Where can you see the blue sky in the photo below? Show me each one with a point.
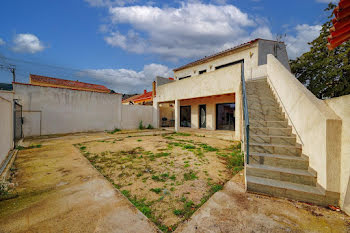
(124, 44)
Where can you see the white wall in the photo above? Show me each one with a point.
(133, 114)
(341, 106)
(223, 81)
(49, 110)
(6, 128)
(316, 125)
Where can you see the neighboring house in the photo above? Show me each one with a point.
(144, 99)
(296, 145)
(130, 100)
(63, 83)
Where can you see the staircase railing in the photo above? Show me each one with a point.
(245, 112)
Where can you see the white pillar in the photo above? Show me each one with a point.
(177, 115)
(155, 113)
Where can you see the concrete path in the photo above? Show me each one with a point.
(59, 191)
(233, 210)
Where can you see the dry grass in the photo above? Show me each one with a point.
(167, 177)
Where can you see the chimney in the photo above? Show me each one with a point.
(144, 91)
(153, 89)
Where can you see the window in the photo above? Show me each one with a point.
(185, 77)
(227, 64)
(202, 71)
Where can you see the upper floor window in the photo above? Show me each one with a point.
(202, 71)
(185, 77)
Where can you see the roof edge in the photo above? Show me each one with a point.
(74, 89)
(205, 59)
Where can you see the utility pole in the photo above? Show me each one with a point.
(13, 71)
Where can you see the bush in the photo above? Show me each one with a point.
(150, 126)
(141, 125)
(114, 131)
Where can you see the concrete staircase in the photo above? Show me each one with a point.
(277, 166)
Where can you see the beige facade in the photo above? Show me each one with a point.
(216, 80)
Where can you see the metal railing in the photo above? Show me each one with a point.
(245, 112)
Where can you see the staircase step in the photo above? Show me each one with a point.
(275, 160)
(271, 131)
(289, 190)
(270, 111)
(261, 117)
(298, 176)
(253, 97)
(276, 124)
(271, 139)
(275, 149)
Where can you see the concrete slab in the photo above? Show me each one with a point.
(59, 191)
(233, 210)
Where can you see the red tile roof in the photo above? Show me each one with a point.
(202, 60)
(340, 32)
(144, 97)
(68, 83)
(132, 98)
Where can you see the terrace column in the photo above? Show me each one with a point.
(155, 113)
(177, 115)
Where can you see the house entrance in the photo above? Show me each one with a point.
(202, 116)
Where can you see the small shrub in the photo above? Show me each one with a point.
(156, 190)
(173, 177)
(178, 212)
(139, 140)
(215, 188)
(28, 147)
(162, 154)
(150, 126)
(186, 165)
(141, 125)
(190, 176)
(126, 193)
(207, 148)
(188, 146)
(82, 148)
(156, 178)
(114, 131)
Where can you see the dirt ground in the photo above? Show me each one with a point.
(60, 191)
(166, 176)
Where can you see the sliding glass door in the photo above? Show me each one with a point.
(225, 116)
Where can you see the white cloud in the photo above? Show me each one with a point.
(27, 43)
(192, 30)
(129, 81)
(2, 42)
(298, 44)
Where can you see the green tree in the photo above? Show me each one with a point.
(325, 73)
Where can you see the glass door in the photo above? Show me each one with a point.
(185, 116)
(225, 116)
(202, 116)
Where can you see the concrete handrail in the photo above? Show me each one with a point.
(317, 125)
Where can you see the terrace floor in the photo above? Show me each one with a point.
(60, 191)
